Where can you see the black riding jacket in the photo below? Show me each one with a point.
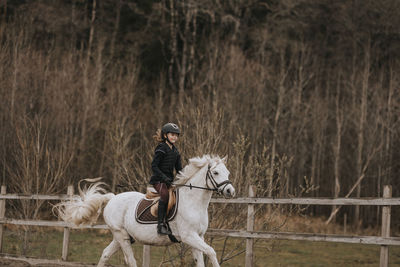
(164, 162)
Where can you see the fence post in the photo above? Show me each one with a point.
(2, 213)
(384, 259)
(146, 256)
(70, 192)
(250, 228)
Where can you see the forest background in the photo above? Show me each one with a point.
(303, 96)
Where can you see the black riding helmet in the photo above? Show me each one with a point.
(170, 128)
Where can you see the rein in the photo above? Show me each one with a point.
(197, 187)
(210, 177)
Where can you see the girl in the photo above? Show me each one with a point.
(166, 159)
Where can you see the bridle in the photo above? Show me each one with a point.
(216, 187)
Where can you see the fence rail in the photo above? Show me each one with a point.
(312, 201)
(250, 200)
(34, 197)
(384, 241)
(370, 240)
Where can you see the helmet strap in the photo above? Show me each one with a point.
(167, 139)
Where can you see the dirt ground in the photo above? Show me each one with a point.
(36, 263)
(14, 263)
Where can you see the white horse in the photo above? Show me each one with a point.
(195, 183)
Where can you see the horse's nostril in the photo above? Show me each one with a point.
(233, 193)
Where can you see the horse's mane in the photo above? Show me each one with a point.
(195, 164)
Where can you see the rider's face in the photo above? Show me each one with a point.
(172, 137)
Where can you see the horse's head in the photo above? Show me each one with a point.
(217, 175)
(218, 178)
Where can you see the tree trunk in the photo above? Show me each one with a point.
(87, 94)
(115, 30)
(338, 142)
(278, 110)
(173, 44)
(361, 123)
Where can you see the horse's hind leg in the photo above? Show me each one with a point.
(108, 252)
(124, 241)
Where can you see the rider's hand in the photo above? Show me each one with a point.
(168, 182)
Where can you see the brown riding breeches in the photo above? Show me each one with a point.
(162, 189)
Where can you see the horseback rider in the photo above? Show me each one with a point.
(166, 159)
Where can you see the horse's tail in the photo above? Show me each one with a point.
(86, 208)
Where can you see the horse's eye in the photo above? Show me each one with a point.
(215, 173)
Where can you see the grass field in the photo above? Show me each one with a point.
(87, 245)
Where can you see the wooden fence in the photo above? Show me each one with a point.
(384, 240)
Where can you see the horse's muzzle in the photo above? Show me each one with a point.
(229, 191)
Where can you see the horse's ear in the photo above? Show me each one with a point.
(225, 159)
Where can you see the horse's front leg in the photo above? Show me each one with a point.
(198, 257)
(199, 247)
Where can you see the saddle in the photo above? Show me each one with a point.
(146, 210)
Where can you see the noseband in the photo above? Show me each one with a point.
(216, 187)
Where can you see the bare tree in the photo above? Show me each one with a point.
(362, 121)
(337, 145)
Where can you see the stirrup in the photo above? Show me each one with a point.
(162, 229)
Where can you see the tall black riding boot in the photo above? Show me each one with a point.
(162, 228)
